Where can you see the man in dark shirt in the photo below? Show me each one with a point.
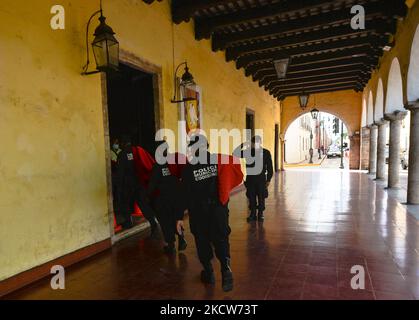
(259, 172)
(166, 200)
(129, 189)
(207, 216)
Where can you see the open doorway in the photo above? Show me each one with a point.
(131, 113)
(131, 106)
(250, 124)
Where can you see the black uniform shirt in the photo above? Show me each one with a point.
(126, 176)
(200, 184)
(254, 157)
(162, 180)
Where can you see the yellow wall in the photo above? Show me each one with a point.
(53, 193)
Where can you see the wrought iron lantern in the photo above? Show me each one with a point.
(105, 47)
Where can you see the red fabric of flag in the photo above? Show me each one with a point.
(230, 175)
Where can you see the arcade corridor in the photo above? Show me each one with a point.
(318, 225)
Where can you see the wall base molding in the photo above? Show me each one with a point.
(37, 273)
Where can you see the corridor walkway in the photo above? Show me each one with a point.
(318, 225)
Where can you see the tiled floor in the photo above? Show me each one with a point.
(318, 225)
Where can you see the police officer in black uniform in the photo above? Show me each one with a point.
(207, 216)
(166, 203)
(129, 189)
(259, 172)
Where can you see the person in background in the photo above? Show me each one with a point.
(258, 177)
(128, 187)
(208, 217)
(115, 150)
(168, 210)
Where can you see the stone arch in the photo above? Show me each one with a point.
(394, 98)
(413, 71)
(370, 109)
(287, 125)
(379, 102)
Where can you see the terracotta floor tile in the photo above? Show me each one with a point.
(319, 224)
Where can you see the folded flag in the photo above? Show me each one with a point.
(144, 163)
(230, 175)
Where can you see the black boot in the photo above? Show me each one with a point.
(182, 244)
(261, 217)
(252, 217)
(207, 275)
(154, 234)
(127, 224)
(170, 249)
(227, 276)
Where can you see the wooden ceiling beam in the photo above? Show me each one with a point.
(369, 44)
(204, 27)
(356, 73)
(280, 96)
(314, 86)
(379, 29)
(151, 1)
(184, 10)
(316, 67)
(375, 12)
(268, 82)
(318, 58)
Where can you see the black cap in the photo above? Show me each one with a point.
(125, 138)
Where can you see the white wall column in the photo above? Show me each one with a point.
(381, 149)
(373, 149)
(395, 119)
(413, 179)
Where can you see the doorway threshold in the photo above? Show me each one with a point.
(130, 232)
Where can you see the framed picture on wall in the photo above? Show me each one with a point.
(191, 110)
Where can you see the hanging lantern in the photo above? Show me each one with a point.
(187, 86)
(105, 47)
(315, 114)
(303, 97)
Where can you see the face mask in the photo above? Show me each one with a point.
(257, 145)
(115, 146)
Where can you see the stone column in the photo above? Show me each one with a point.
(381, 149)
(395, 119)
(355, 151)
(413, 179)
(365, 147)
(282, 140)
(373, 149)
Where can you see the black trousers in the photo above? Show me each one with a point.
(126, 199)
(210, 227)
(256, 193)
(166, 214)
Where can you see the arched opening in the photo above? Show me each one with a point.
(413, 72)
(365, 138)
(394, 102)
(364, 113)
(394, 99)
(324, 136)
(370, 109)
(379, 102)
(379, 115)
